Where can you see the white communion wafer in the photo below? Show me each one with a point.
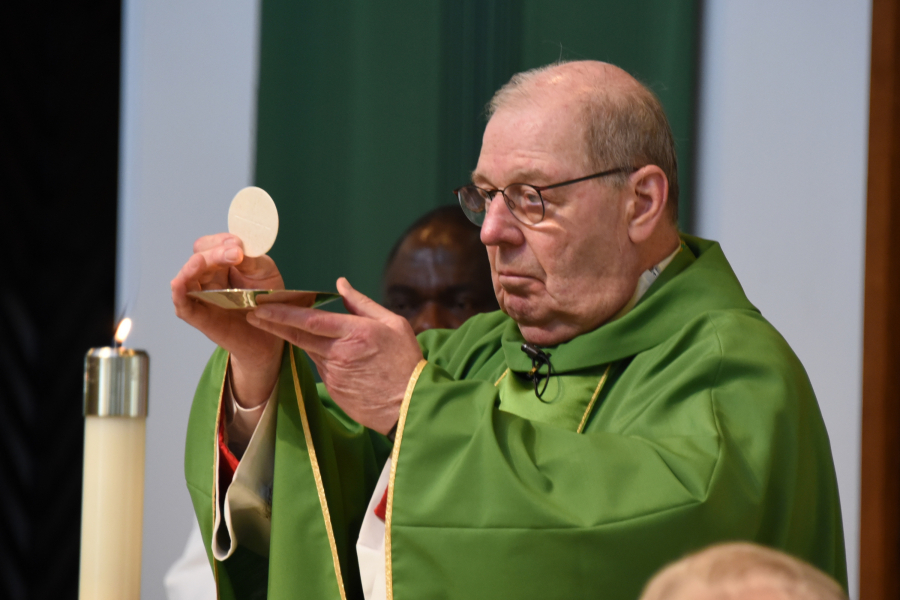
(254, 218)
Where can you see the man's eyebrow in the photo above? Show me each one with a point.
(401, 288)
(460, 288)
(530, 176)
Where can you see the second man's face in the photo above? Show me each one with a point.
(439, 278)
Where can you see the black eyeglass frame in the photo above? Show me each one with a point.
(471, 214)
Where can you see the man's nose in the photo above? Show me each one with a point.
(500, 226)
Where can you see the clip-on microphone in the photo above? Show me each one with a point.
(538, 358)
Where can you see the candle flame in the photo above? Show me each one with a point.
(123, 330)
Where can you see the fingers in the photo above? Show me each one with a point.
(219, 263)
(317, 322)
(322, 323)
(186, 308)
(225, 249)
(259, 267)
(208, 242)
(187, 278)
(179, 292)
(360, 304)
(205, 269)
(289, 327)
(209, 268)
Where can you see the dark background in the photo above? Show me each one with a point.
(59, 130)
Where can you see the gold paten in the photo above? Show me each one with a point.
(236, 299)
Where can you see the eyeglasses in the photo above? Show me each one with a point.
(523, 200)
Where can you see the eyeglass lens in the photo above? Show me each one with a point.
(523, 200)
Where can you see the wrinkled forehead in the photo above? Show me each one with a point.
(530, 139)
(557, 105)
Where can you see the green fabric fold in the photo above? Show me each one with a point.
(349, 458)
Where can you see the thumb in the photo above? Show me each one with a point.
(359, 304)
(255, 267)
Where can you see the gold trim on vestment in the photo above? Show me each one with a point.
(215, 479)
(317, 475)
(590, 405)
(395, 455)
(505, 373)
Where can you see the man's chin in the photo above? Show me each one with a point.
(538, 325)
(518, 307)
(546, 335)
(532, 321)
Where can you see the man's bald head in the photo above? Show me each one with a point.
(624, 123)
(741, 571)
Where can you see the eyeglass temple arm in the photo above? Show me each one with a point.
(586, 177)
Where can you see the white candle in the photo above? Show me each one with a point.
(115, 407)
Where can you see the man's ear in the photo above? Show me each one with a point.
(647, 205)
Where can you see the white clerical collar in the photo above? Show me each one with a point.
(644, 282)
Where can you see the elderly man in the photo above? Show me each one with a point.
(626, 406)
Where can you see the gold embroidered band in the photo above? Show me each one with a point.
(395, 455)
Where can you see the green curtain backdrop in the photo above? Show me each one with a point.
(370, 113)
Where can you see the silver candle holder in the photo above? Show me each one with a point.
(115, 411)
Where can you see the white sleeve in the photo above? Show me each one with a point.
(244, 515)
(191, 578)
(240, 422)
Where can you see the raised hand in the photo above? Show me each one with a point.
(218, 262)
(365, 358)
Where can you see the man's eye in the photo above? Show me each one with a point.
(461, 303)
(531, 197)
(400, 303)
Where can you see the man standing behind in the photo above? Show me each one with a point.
(437, 274)
(627, 405)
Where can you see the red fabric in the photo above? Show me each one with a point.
(381, 510)
(228, 463)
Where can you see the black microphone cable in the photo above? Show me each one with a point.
(539, 358)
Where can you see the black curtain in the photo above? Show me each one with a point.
(59, 130)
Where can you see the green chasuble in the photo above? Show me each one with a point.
(686, 422)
